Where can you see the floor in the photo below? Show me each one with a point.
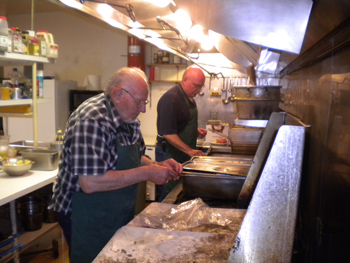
(48, 257)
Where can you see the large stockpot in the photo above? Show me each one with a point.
(256, 102)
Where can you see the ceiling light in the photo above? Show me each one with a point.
(183, 20)
(206, 43)
(105, 10)
(72, 3)
(196, 33)
(160, 3)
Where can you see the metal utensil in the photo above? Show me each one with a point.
(225, 101)
(232, 97)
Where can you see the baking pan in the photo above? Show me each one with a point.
(26, 144)
(215, 177)
(44, 160)
(211, 186)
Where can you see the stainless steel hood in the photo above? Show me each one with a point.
(248, 33)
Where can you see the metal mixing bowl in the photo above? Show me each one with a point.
(16, 167)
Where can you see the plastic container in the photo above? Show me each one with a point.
(27, 36)
(43, 39)
(34, 48)
(52, 51)
(9, 41)
(40, 78)
(16, 40)
(3, 34)
(16, 78)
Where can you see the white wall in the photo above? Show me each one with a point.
(86, 46)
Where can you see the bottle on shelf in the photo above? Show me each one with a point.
(16, 78)
(16, 40)
(165, 58)
(27, 37)
(3, 34)
(40, 78)
(34, 48)
(43, 40)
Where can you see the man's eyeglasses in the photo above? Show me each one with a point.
(197, 86)
(138, 103)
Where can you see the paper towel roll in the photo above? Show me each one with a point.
(92, 82)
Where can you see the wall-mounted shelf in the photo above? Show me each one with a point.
(165, 64)
(168, 67)
(8, 59)
(164, 81)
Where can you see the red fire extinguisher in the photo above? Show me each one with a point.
(136, 53)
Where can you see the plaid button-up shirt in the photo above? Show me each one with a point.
(90, 146)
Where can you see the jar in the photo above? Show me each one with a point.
(155, 58)
(160, 55)
(177, 60)
(3, 34)
(34, 48)
(16, 40)
(43, 39)
(165, 58)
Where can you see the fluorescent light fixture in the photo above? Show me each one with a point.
(159, 3)
(72, 3)
(105, 10)
(196, 33)
(206, 43)
(183, 20)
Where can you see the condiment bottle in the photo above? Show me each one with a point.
(43, 40)
(52, 51)
(3, 34)
(34, 48)
(165, 58)
(16, 40)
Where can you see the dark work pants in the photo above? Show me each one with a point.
(65, 221)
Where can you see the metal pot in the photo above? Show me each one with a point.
(257, 102)
(31, 210)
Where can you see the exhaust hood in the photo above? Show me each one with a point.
(267, 35)
(239, 29)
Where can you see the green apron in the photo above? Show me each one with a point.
(188, 136)
(96, 217)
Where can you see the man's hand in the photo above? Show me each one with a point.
(165, 171)
(202, 133)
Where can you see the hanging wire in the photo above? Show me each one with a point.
(32, 16)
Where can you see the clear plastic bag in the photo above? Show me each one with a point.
(193, 215)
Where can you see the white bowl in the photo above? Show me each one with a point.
(16, 167)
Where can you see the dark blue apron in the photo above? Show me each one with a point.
(96, 217)
(188, 136)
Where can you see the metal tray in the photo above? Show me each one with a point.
(218, 165)
(212, 186)
(232, 160)
(26, 144)
(44, 160)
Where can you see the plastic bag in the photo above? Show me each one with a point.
(193, 215)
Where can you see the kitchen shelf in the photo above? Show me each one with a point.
(164, 81)
(8, 59)
(21, 102)
(166, 64)
(27, 238)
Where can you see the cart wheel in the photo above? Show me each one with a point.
(55, 252)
